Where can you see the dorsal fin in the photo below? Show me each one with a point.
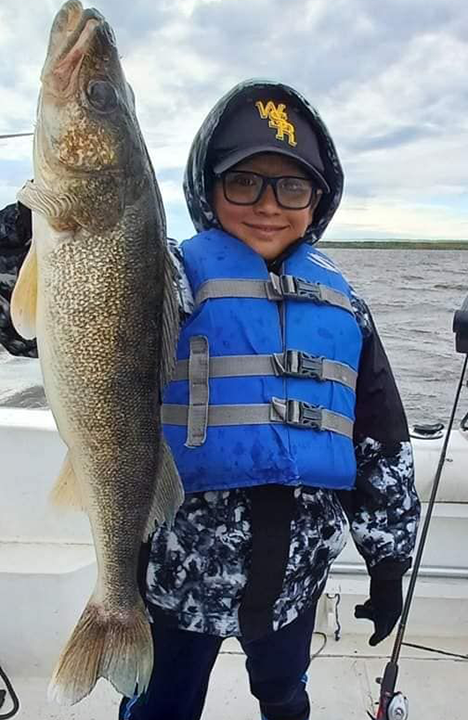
(170, 322)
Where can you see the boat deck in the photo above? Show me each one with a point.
(49, 557)
(341, 684)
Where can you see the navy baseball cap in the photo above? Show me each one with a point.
(266, 124)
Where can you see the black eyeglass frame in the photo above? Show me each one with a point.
(268, 180)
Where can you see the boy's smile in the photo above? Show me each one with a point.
(266, 227)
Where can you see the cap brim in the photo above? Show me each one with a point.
(230, 160)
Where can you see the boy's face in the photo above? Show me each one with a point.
(266, 227)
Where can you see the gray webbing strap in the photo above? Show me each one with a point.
(292, 363)
(199, 389)
(291, 412)
(231, 288)
(277, 288)
(339, 372)
(231, 366)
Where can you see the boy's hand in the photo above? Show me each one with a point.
(383, 607)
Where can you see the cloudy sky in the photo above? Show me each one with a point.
(389, 78)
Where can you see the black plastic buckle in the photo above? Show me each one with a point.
(288, 286)
(300, 364)
(308, 291)
(301, 414)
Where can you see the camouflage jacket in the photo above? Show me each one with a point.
(15, 237)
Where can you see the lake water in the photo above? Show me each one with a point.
(412, 294)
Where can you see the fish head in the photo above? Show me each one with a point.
(88, 148)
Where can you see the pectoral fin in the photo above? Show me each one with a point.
(24, 297)
(66, 491)
(41, 200)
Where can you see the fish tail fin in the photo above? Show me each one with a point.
(112, 645)
(169, 492)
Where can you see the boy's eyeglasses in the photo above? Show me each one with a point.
(242, 187)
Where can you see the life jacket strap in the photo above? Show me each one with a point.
(304, 415)
(199, 391)
(290, 412)
(277, 288)
(281, 287)
(295, 363)
(292, 363)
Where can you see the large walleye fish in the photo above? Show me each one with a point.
(97, 291)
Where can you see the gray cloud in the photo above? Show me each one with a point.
(402, 136)
(388, 77)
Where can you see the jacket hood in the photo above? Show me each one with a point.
(196, 185)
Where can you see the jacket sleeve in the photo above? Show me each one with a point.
(384, 508)
(184, 291)
(15, 240)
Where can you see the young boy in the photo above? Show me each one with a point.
(283, 417)
(282, 413)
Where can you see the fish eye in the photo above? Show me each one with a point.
(102, 95)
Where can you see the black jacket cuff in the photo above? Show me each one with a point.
(389, 569)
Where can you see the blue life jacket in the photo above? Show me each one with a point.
(264, 390)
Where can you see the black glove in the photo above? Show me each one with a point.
(383, 607)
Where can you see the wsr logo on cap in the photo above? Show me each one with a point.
(278, 120)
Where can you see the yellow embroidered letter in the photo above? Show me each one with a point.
(278, 119)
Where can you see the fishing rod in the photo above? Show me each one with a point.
(394, 705)
(15, 135)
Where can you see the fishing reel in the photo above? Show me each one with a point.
(397, 709)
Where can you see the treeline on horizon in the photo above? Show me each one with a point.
(398, 244)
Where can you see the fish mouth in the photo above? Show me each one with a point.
(72, 33)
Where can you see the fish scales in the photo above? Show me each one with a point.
(109, 384)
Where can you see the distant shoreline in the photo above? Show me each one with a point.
(396, 244)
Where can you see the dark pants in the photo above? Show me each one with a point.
(276, 665)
